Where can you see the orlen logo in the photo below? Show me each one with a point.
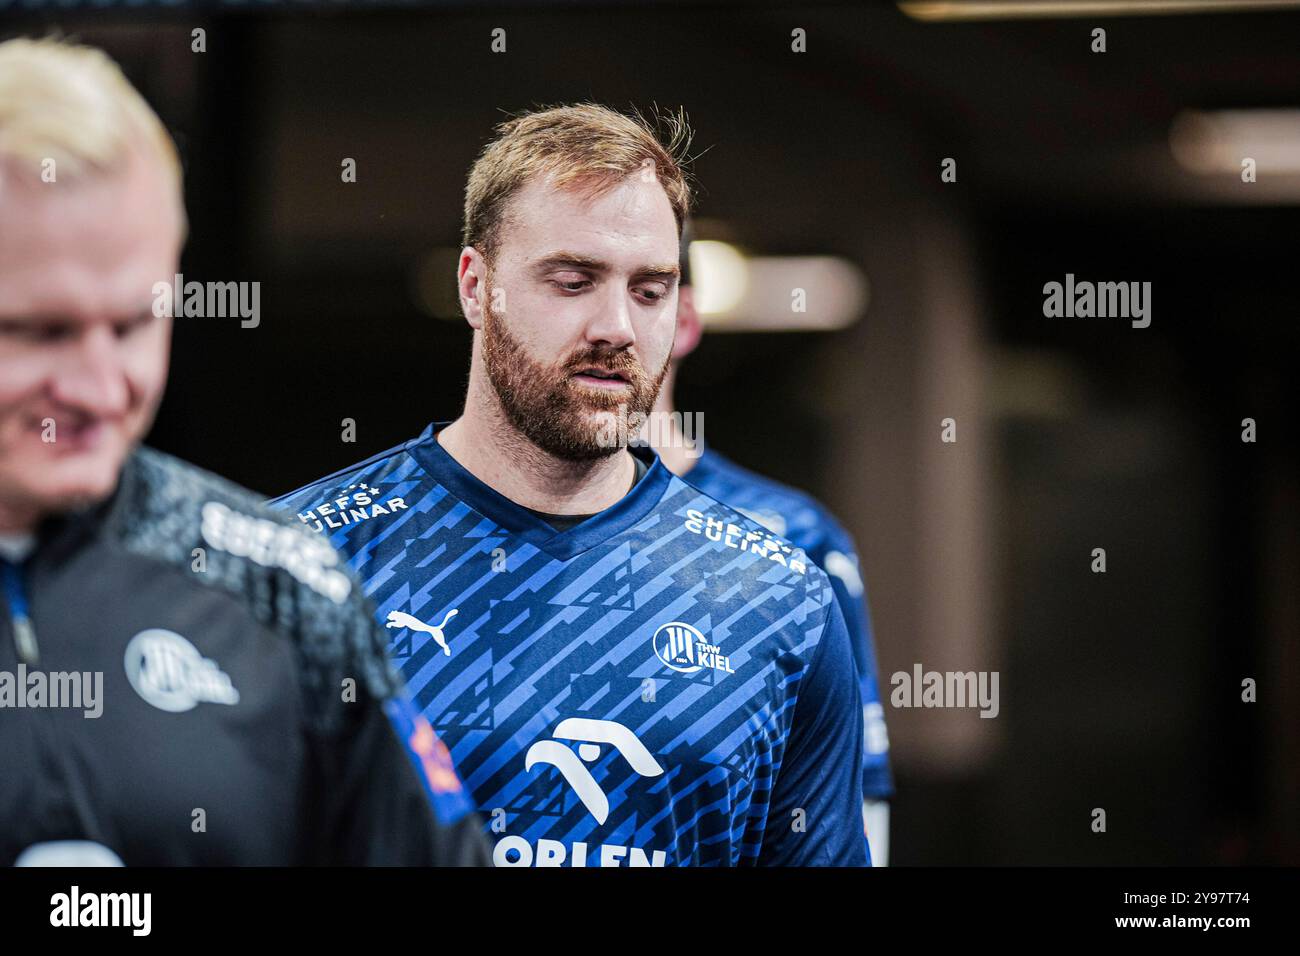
(591, 736)
(684, 649)
(591, 733)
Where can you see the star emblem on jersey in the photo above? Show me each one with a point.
(351, 505)
(591, 733)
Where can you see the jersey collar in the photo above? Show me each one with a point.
(519, 521)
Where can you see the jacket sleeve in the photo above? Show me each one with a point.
(383, 792)
(815, 817)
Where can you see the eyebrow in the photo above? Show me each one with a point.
(63, 318)
(574, 260)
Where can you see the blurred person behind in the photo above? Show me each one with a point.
(807, 523)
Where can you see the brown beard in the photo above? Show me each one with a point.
(549, 409)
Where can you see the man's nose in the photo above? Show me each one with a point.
(612, 325)
(93, 379)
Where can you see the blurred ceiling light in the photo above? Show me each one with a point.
(1216, 142)
(719, 275)
(940, 10)
(834, 295)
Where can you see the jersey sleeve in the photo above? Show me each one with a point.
(838, 558)
(816, 810)
(384, 793)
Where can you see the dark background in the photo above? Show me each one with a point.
(1120, 691)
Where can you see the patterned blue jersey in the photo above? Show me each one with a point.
(666, 683)
(807, 524)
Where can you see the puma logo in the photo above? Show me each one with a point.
(402, 619)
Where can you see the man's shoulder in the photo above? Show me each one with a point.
(785, 509)
(740, 530)
(750, 570)
(171, 509)
(347, 479)
(220, 535)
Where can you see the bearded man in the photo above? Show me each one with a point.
(626, 671)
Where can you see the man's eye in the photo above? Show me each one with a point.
(42, 332)
(123, 329)
(571, 285)
(652, 292)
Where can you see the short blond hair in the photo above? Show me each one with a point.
(72, 103)
(584, 146)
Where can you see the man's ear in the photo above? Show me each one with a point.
(471, 281)
(689, 328)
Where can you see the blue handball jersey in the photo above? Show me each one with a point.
(664, 684)
(807, 524)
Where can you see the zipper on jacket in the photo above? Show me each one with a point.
(16, 597)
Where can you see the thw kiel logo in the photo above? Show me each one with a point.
(592, 733)
(402, 619)
(684, 649)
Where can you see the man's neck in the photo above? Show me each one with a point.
(672, 447)
(17, 521)
(491, 449)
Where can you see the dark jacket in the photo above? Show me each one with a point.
(247, 709)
